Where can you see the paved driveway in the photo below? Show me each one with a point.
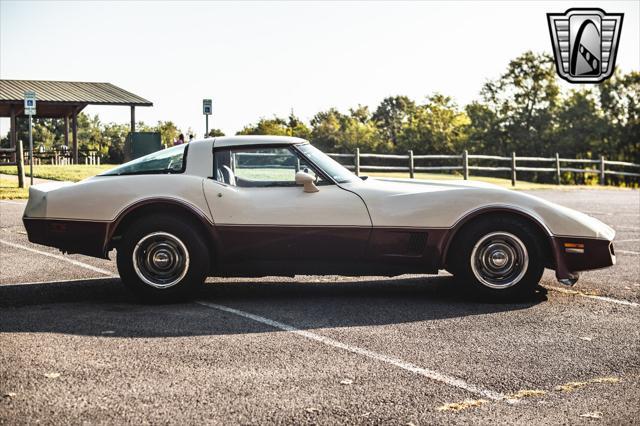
(75, 346)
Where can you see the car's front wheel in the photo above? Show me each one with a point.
(162, 258)
(501, 258)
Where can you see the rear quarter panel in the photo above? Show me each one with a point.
(102, 198)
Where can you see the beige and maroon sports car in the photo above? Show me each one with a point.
(263, 205)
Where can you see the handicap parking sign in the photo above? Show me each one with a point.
(30, 103)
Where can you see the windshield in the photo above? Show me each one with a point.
(331, 167)
(170, 160)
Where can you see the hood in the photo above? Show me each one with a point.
(420, 185)
(443, 203)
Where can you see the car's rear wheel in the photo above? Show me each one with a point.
(501, 258)
(162, 258)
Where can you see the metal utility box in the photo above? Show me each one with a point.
(139, 144)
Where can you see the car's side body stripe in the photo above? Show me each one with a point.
(298, 249)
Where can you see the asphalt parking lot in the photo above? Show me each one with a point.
(76, 347)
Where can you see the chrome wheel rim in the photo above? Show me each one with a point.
(499, 260)
(160, 260)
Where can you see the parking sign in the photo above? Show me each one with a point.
(206, 106)
(30, 103)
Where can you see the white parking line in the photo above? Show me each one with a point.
(453, 381)
(425, 372)
(63, 258)
(13, 202)
(612, 214)
(626, 228)
(627, 252)
(75, 280)
(593, 296)
(612, 300)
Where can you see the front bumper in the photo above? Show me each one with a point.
(572, 254)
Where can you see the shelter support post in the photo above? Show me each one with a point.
(12, 132)
(74, 138)
(133, 119)
(66, 131)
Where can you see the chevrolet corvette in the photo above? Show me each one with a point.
(263, 205)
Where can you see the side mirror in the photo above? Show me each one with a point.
(307, 180)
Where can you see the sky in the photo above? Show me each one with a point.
(260, 59)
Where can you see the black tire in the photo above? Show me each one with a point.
(171, 260)
(483, 251)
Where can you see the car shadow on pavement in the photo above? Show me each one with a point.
(104, 308)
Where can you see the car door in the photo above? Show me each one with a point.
(261, 215)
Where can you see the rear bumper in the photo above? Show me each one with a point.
(573, 254)
(71, 236)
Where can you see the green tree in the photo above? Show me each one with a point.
(114, 136)
(391, 114)
(266, 126)
(168, 132)
(277, 127)
(485, 135)
(336, 132)
(524, 100)
(437, 127)
(90, 134)
(326, 131)
(360, 132)
(47, 132)
(581, 129)
(297, 127)
(620, 102)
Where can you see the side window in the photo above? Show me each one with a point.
(259, 167)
